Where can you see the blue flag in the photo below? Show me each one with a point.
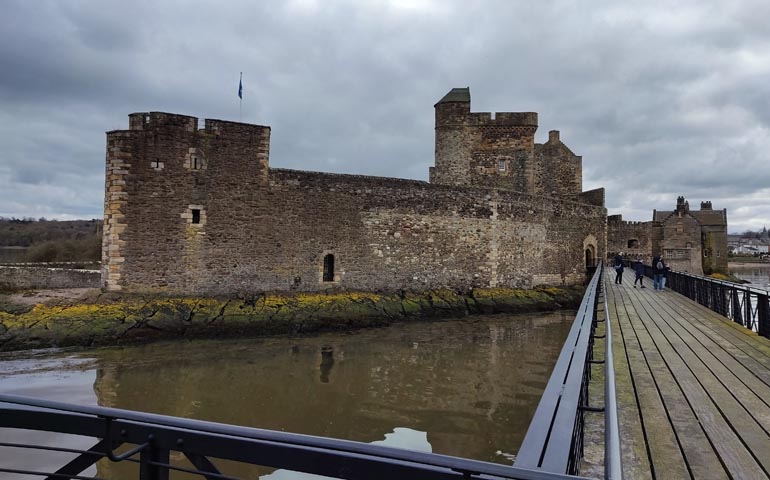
(240, 87)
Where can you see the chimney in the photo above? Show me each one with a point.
(553, 136)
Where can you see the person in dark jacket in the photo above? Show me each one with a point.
(664, 275)
(619, 269)
(639, 269)
(657, 272)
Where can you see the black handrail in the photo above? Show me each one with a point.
(154, 437)
(554, 439)
(746, 306)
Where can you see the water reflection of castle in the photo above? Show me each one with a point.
(472, 386)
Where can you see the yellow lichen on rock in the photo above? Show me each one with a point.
(134, 318)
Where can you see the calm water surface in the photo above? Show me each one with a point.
(759, 276)
(462, 387)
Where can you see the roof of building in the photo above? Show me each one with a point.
(457, 95)
(704, 217)
(709, 217)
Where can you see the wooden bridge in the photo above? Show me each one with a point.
(693, 387)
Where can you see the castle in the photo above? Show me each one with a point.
(200, 211)
(692, 241)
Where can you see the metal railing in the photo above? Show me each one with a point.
(153, 440)
(554, 439)
(746, 306)
(552, 448)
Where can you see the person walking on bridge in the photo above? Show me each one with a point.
(657, 272)
(639, 270)
(619, 269)
(664, 275)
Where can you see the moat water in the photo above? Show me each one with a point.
(462, 387)
(758, 275)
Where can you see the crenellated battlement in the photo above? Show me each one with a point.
(142, 121)
(153, 120)
(503, 119)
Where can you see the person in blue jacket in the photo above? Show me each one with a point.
(619, 268)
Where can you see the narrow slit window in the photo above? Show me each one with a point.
(196, 163)
(328, 268)
(196, 215)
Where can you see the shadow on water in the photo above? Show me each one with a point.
(462, 387)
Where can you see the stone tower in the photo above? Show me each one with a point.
(499, 150)
(165, 178)
(483, 149)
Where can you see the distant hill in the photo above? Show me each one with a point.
(53, 240)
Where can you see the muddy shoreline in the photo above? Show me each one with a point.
(90, 318)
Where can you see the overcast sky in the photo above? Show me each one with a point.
(660, 98)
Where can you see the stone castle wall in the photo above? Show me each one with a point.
(558, 171)
(27, 277)
(632, 239)
(199, 211)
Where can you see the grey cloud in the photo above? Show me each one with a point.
(659, 100)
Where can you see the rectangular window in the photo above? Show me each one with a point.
(196, 213)
(501, 165)
(196, 163)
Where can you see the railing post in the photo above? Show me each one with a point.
(763, 316)
(722, 300)
(150, 471)
(736, 307)
(749, 315)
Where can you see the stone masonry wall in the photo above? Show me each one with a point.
(681, 243)
(484, 150)
(161, 170)
(633, 239)
(499, 151)
(47, 278)
(385, 234)
(558, 171)
(199, 211)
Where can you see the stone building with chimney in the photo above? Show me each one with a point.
(692, 241)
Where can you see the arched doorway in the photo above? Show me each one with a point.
(590, 257)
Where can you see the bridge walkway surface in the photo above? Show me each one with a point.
(693, 388)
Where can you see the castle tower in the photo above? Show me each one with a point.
(164, 192)
(481, 148)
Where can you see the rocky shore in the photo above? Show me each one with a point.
(95, 319)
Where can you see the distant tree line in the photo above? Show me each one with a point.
(53, 240)
(751, 234)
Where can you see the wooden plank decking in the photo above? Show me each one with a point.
(693, 389)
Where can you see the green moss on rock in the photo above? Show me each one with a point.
(130, 319)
